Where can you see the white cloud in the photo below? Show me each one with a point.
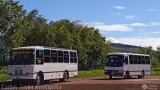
(156, 32)
(138, 25)
(155, 23)
(122, 27)
(116, 14)
(138, 41)
(119, 7)
(113, 27)
(130, 17)
(151, 9)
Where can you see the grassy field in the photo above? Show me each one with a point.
(81, 74)
(155, 73)
(3, 75)
(91, 73)
(100, 72)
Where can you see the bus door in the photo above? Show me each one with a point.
(39, 57)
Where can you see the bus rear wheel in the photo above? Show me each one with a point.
(65, 77)
(142, 75)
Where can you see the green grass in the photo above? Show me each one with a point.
(100, 72)
(91, 73)
(81, 74)
(155, 73)
(3, 75)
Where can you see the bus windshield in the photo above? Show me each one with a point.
(22, 57)
(115, 60)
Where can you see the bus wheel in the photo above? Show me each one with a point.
(110, 76)
(142, 74)
(65, 77)
(127, 75)
(39, 79)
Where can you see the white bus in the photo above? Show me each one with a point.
(127, 65)
(41, 63)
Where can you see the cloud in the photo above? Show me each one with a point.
(138, 41)
(121, 27)
(151, 9)
(138, 25)
(113, 27)
(130, 17)
(119, 7)
(116, 14)
(156, 32)
(155, 23)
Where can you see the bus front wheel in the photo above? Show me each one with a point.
(39, 79)
(110, 76)
(127, 76)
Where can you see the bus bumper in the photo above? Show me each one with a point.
(114, 72)
(21, 77)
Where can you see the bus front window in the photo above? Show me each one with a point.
(115, 60)
(22, 57)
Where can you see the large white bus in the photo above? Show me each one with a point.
(41, 63)
(127, 65)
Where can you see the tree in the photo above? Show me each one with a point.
(19, 28)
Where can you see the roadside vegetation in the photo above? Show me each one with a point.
(81, 73)
(91, 73)
(100, 72)
(3, 74)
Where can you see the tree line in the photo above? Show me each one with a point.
(21, 28)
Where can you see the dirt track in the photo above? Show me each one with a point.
(97, 83)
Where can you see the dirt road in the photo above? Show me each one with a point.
(95, 83)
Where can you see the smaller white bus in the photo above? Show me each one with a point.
(127, 65)
(41, 63)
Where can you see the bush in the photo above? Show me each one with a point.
(156, 69)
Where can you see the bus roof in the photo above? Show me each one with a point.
(42, 47)
(119, 53)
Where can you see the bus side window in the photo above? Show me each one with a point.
(66, 57)
(39, 54)
(54, 56)
(139, 60)
(147, 60)
(131, 59)
(135, 59)
(126, 60)
(60, 56)
(47, 56)
(143, 59)
(71, 57)
(75, 57)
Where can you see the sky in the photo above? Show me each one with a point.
(133, 22)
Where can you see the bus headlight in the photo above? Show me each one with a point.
(27, 74)
(120, 71)
(10, 74)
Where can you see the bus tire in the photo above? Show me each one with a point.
(39, 79)
(127, 76)
(110, 76)
(142, 74)
(65, 77)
